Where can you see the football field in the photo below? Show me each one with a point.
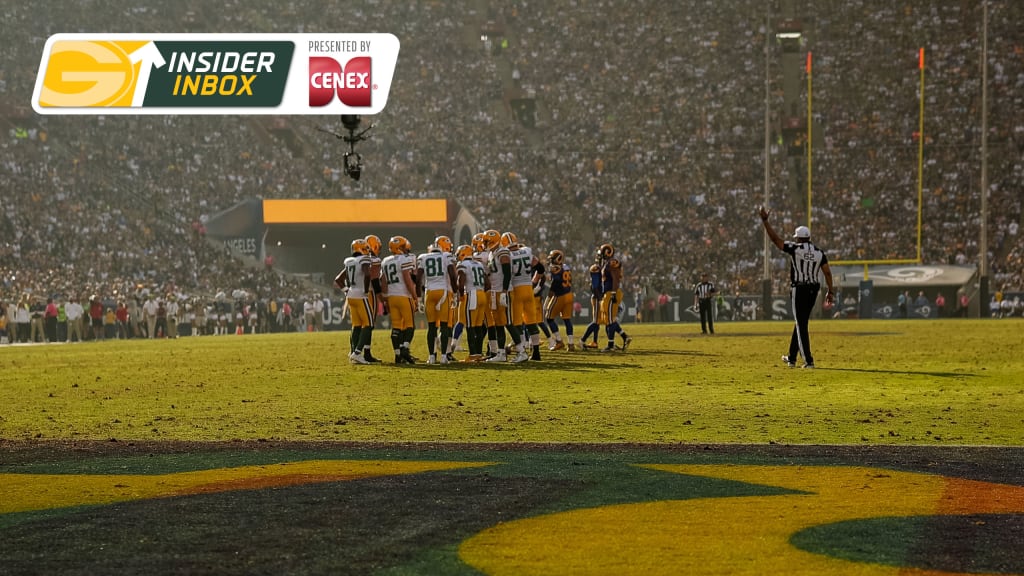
(899, 454)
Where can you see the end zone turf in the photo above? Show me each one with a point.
(400, 509)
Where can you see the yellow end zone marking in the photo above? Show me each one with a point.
(25, 492)
(729, 535)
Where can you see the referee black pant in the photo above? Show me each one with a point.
(803, 298)
(707, 316)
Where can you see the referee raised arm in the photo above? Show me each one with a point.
(807, 264)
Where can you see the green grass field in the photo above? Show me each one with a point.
(948, 382)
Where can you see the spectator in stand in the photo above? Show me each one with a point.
(160, 326)
(921, 300)
(75, 312)
(22, 320)
(96, 317)
(62, 323)
(37, 310)
(122, 320)
(4, 321)
(172, 309)
(109, 324)
(50, 320)
(149, 314)
(693, 73)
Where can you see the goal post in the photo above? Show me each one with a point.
(866, 287)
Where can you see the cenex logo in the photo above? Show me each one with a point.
(352, 83)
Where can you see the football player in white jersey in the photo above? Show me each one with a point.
(399, 286)
(499, 269)
(436, 278)
(354, 278)
(476, 248)
(524, 312)
(472, 285)
(375, 297)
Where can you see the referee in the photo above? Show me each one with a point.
(807, 262)
(703, 298)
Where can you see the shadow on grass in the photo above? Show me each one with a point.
(575, 366)
(688, 353)
(903, 372)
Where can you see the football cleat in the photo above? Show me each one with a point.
(357, 358)
(590, 344)
(407, 356)
(572, 347)
(787, 361)
(626, 342)
(559, 345)
(498, 357)
(521, 357)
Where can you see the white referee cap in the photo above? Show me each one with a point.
(802, 232)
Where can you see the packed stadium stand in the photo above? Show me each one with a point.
(571, 123)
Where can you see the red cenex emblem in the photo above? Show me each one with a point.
(352, 83)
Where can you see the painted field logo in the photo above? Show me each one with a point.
(353, 82)
(215, 73)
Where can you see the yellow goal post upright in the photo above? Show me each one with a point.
(920, 177)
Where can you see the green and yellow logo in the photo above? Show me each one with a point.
(82, 73)
(140, 73)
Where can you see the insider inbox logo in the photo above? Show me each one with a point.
(215, 73)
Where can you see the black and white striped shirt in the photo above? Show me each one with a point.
(703, 290)
(806, 261)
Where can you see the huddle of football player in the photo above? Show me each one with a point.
(490, 290)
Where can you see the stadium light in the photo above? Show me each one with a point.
(788, 35)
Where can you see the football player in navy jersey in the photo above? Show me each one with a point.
(611, 285)
(560, 300)
(596, 292)
(539, 281)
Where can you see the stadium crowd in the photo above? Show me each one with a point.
(648, 132)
